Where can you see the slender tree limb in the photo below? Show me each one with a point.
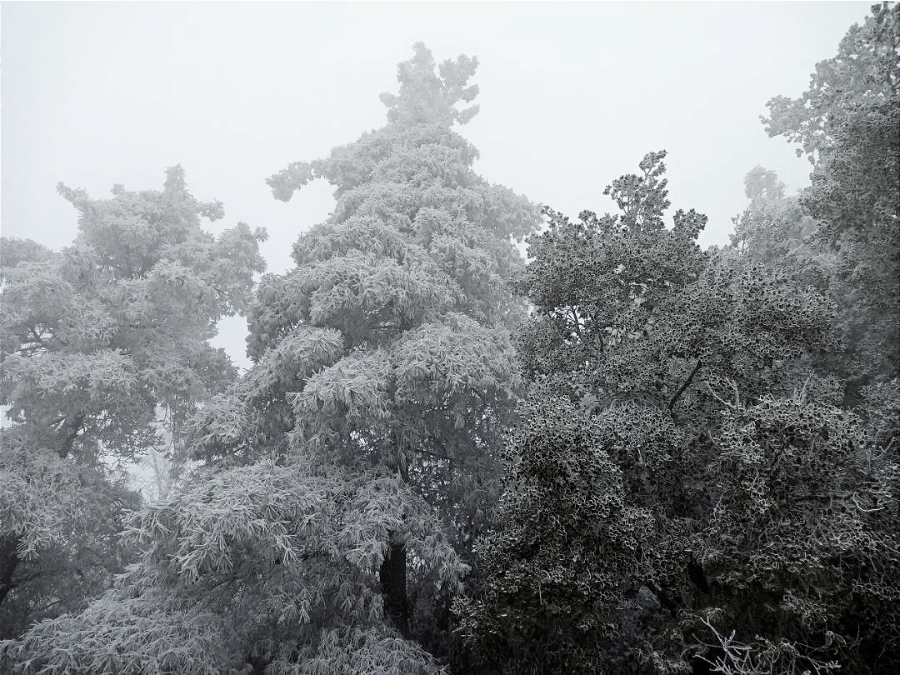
(685, 385)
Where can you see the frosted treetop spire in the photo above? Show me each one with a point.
(429, 97)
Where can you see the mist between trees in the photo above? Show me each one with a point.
(629, 455)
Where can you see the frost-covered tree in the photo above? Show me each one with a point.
(801, 549)
(713, 382)
(644, 336)
(775, 229)
(389, 342)
(557, 568)
(349, 470)
(847, 123)
(96, 340)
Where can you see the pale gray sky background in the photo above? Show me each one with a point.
(572, 96)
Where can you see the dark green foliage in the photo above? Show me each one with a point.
(772, 544)
(655, 345)
(599, 283)
(591, 477)
(802, 546)
(567, 548)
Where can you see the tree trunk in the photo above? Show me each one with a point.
(393, 588)
(9, 560)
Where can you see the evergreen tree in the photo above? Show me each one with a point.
(352, 466)
(774, 544)
(848, 123)
(647, 337)
(775, 229)
(96, 341)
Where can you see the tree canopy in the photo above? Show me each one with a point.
(847, 122)
(629, 455)
(104, 347)
(383, 373)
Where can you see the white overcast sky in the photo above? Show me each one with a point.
(572, 96)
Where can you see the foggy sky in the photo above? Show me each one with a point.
(572, 96)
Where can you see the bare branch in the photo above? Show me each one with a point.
(685, 384)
